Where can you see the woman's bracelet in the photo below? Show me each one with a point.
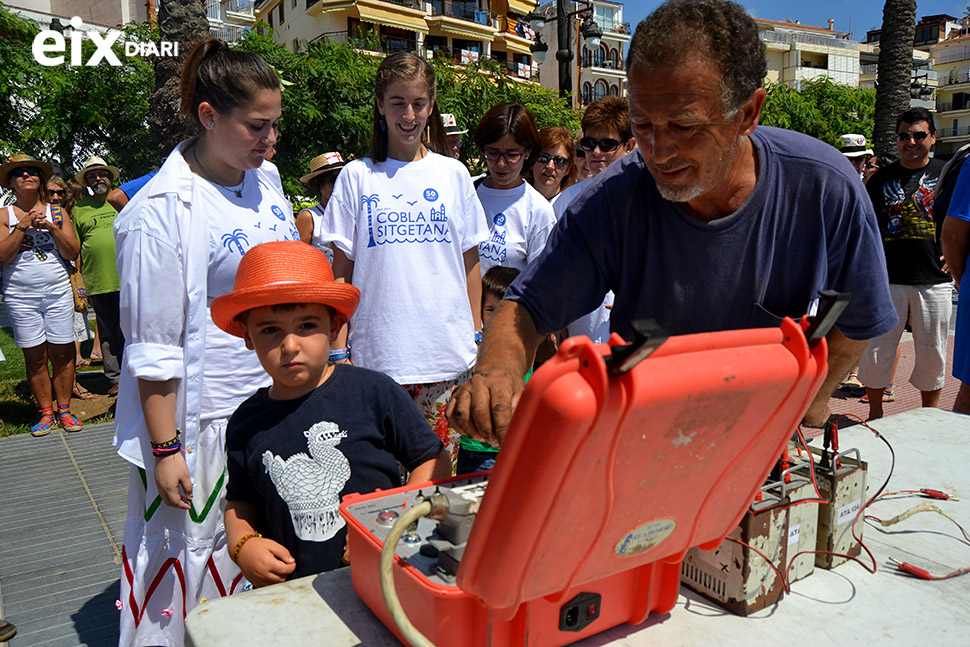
(19, 227)
(171, 449)
(239, 544)
(338, 354)
(169, 443)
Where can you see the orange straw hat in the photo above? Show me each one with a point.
(282, 272)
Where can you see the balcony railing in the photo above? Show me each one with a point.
(469, 11)
(370, 42)
(605, 64)
(228, 33)
(952, 105)
(458, 57)
(213, 11)
(954, 132)
(615, 26)
(809, 39)
(955, 77)
(245, 7)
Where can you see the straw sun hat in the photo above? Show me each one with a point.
(282, 272)
(323, 163)
(25, 161)
(95, 163)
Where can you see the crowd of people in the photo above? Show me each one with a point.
(268, 363)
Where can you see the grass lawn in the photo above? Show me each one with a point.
(17, 407)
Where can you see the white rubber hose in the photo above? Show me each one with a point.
(410, 633)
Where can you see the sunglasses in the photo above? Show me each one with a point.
(919, 136)
(29, 170)
(57, 192)
(558, 160)
(511, 157)
(97, 175)
(605, 145)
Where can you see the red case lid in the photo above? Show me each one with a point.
(602, 474)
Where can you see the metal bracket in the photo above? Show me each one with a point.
(647, 337)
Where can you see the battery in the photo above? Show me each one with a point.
(736, 577)
(802, 520)
(843, 485)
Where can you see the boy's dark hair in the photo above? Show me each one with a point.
(916, 115)
(243, 316)
(497, 280)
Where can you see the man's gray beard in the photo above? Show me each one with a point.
(100, 189)
(680, 193)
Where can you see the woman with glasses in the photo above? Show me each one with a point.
(60, 193)
(519, 217)
(34, 246)
(555, 167)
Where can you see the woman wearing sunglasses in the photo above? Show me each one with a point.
(555, 167)
(519, 217)
(36, 289)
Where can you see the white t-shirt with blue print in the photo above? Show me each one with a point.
(406, 226)
(519, 222)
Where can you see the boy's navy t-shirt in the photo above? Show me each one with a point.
(296, 459)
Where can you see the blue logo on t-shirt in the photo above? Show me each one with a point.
(430, 195)
(278, 212)
(499, 220)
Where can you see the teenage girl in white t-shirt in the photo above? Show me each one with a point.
(406, 224)
(519, 217)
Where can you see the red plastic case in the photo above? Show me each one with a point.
(603, 483)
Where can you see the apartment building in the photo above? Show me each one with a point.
(952, 67)
(102, 13)
(798, 53)
(463, 31)
(230, 19)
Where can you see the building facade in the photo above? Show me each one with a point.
(798, 53)
(461, 31)
(952, 67)
(229, 19)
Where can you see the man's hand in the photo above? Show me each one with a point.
(170, 473)
(482, 407)
(264, 561)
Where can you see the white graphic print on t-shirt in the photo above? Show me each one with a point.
(397, 220)
(311, 485)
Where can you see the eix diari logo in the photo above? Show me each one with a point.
(49, 46)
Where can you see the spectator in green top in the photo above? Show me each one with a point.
(94, 219)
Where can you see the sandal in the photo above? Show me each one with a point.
(45, 425)
(81, 362)
(67, 419)
(81, 393)
(888, 395)
(851, 383)
(96, 357)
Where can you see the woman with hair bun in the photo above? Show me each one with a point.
(180, 240)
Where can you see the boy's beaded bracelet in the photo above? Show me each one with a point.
(239, 544)
(169, 443)
(165, 451)
(338, 354)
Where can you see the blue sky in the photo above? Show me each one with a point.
(857, 15)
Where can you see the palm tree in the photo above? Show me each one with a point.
(183, 21)
(895, 71)
(370, 201)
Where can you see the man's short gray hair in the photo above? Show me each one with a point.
(720, 31)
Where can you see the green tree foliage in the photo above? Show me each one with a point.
(64, 114)
(822, 109)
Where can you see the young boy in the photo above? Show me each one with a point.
(322, 430)
(475, 456)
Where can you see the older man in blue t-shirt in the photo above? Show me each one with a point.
(713, 224)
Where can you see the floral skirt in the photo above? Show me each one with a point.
(432, 398)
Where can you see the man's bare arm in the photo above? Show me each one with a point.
(956, 243)
(482, 407)
(844, 353)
